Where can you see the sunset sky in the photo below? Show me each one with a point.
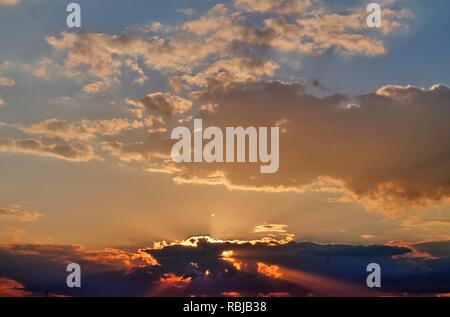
(85, 122)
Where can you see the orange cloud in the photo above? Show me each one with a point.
(231, 294)
(174, 280)
(199, 267)
(78, 152)
(160, 103)
(415, 248)
(83, 130)
(17, 213)
(270, 228)
(272, 271)
(228, 257)
(108, 258)
(275, 294)
(336, 148)
(301, 26)
(9, 2)
(105, 56)
(12, 288)
(226, 72)
(286, 7)
(6, 82)
(96, 87)
(323, 286)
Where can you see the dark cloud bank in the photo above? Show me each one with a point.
(205, 267)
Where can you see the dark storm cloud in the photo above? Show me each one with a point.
(203, 266)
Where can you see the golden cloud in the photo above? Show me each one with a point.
(77, 152)
(9, 2)
(161, 104)
(290, 26)
(83, 130)
(328, 145)
(6, 82)
(287, 7)
(17, 213)
(12, 288)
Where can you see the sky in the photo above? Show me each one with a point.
(86, 174)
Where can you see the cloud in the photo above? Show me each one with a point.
(437, 249)
(430, 250)
(204, 266)
(104, 56)
(96, 87)
(83, 130)
(102, 269)
(218, 17)
(336, 147)
(161, 104)
(77, 152)
(2, 102)
(19, 214)
(270, 228)
(108, 266)
(223, 35)
(187, 11)
(272, 271)
(14, 235)
(325, 31)
(174, 281)
(315, 31)
(413, 223)
(351, 140)
(293, 268)
(154, 149)
(287, 7)
(232, 71)
(6, 82)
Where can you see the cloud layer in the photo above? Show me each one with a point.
(19, 214)
(203, 266)
(77, 152)
(360, 146)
